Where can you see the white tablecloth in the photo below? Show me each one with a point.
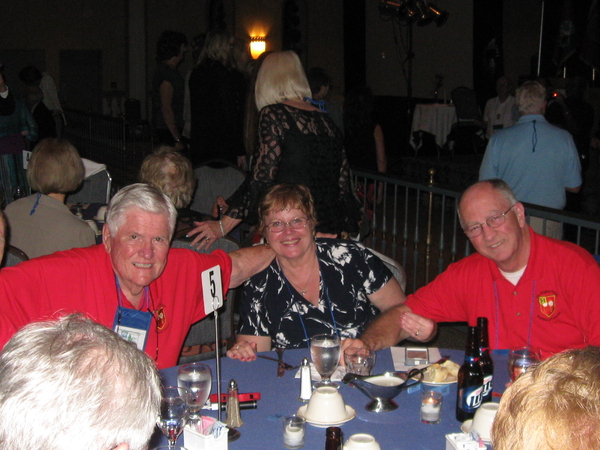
(436, 119)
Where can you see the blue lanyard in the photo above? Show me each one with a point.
(145, 302)
(35, 205)
(295, 306)
(531, 306)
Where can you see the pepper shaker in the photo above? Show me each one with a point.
(234, 419)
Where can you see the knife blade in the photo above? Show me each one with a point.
(286, 366)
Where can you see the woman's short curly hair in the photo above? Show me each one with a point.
(282, 196)
(171, 173)
(55, 167)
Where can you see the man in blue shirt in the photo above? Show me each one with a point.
(538, 160)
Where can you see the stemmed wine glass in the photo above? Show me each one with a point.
(325, 355)
(521, 360)
(197, 379)
(173, 412)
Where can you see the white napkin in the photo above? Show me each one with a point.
(399, 355)
(314, 375)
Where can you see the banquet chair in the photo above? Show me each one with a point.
(96, 186)
(13, 256)
(395, 267)
(202, 333)
(467, 134)
(215, 178)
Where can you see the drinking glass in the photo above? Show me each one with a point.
(173, 412)
(325, 355)
(359, 361)
(197, 379)
(521, 360)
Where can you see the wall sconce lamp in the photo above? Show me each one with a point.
(258, 45)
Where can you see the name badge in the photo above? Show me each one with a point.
(133, 325)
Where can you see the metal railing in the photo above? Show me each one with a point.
(418, 226)
(119, 144)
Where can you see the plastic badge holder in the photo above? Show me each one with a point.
(193, 440)
(461, 441)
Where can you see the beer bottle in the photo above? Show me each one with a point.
(470, 380)
(485, 360)
(333, 438)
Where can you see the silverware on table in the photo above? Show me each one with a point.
(280, 369)
(285, 366)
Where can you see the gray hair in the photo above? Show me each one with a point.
(498, 185)
(71, 383)
(143, 196)
(531, 98)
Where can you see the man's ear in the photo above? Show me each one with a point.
(520, 212)
(106, 238)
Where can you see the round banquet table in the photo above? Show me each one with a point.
(396, 430)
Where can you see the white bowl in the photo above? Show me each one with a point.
(326, 405)
(361, 441)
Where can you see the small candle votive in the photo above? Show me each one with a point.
(431, 407)
(294, 428)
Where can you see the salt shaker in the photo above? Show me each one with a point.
(234, 419)
(305, 382)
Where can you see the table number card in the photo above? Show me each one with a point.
(211, 288)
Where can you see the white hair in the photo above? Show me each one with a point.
(143, 196)
(72, 384)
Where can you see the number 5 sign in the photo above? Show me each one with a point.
(211, 288)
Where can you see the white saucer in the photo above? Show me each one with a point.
(466, 428)
(350, 414)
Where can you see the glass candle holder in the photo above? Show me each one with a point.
(431, 407)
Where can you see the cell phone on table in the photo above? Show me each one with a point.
(416, 356)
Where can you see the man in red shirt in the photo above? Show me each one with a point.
(534, 290)
(134, 283)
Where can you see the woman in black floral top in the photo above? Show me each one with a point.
(298, 143)
(312, 286)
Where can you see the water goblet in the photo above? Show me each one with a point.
(197, 379)
(521, 360)
(325, 355)
(173, 412)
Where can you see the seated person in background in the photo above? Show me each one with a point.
(41, 223)
(313, 286)
(555, 406)
(172, 174)
(534, 290)
(72, 384)
(127, 278)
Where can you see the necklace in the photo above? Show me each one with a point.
(303, 291)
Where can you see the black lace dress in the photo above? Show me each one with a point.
(303, 147)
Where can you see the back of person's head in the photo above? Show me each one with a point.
(240, 56)
(218, 47)
(144, 197)
(196, 46)
(72, 384)
(169, 45)
(30, 75)
(281, 77)
(531, 98)
(171, 173)
(317, 78)
(555, 406)
(358, 110)
(55, 167)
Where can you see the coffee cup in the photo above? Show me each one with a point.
(484, 418)
(361, 441)
(326, 405)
